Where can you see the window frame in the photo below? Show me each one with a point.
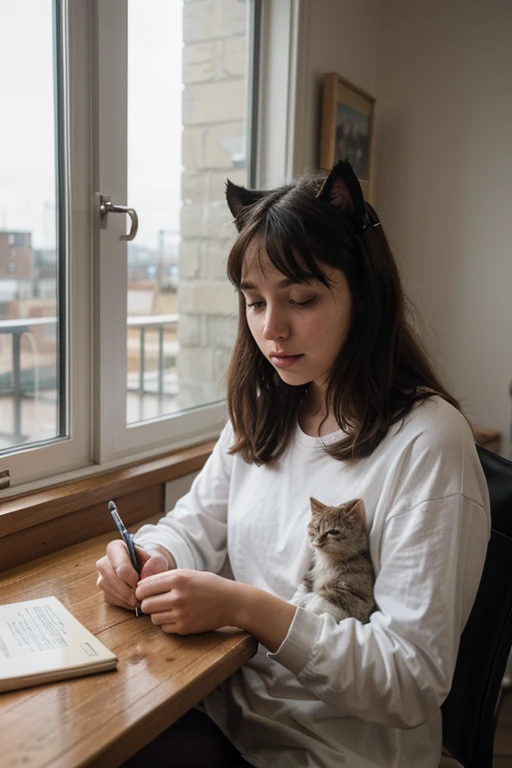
(113, 438)
(273, 160)
(73, 185)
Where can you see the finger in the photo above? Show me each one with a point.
(117, 589)
(161, 582)
(113, 598)
(109, 582)
(110, 578)
(171, 629)
(120, 561)
(158, 603)
(142, 555)
(156, 563)
(157, 584)
(163, 617)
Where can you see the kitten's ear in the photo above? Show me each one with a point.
(316, 506)
(240, 197)
(357, 511)
(342, 189)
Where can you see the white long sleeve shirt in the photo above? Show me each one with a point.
(352, 694)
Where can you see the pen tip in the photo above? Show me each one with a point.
(111, 505)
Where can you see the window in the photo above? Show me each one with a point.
(33, 396)
(169, 121)
(187, 94)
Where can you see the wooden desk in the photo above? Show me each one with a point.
(102, 719)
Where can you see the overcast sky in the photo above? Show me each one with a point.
(27, 157)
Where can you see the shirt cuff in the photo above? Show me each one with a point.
(172, 543)
(300, 641)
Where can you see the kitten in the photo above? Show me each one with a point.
(341, 577)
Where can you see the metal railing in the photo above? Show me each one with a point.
(159, 322)
(18, 327)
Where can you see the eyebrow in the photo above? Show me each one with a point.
(285, 283)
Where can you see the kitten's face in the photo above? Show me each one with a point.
(337, 529)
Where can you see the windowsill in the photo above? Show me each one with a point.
(45, 520)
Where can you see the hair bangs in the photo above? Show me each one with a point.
(287, 245)
(283, 238)
(236, 255)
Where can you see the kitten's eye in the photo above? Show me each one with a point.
(333, 532)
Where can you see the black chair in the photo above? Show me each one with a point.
(469, 711)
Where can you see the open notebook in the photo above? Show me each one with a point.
(41, 641)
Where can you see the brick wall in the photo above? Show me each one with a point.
(16, 256)
(213, 148)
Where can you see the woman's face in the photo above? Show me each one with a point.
(299, 327)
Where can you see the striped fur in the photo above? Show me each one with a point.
(341, 577)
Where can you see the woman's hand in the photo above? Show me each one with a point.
(188, 602)
(118, 578)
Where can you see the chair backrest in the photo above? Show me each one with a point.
(468, 712)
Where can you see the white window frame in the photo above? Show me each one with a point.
(103, 440)
(113, 438)
(284, 90)
(66, 454)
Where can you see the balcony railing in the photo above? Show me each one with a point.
(23, 384)
(16, 329)
(159, 323)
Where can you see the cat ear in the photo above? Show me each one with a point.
(316, 506)
(342, 189)
(240, 197)
(356, 510)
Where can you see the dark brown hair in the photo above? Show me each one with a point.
(382, 369)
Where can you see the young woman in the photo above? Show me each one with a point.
(330, 395)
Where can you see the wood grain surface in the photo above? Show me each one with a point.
(33, 525)
(102, 719)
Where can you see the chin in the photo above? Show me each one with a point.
(291, 380)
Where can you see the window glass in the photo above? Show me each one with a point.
(187, 85)
(29, 358)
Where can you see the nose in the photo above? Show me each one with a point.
(276, 325)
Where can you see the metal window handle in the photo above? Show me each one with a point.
(107, 206)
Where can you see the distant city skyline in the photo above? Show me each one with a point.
(27, 156)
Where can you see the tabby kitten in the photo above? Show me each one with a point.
(341, 577)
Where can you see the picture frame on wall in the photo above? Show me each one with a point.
(347, 128)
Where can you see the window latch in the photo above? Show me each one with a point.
(107, 206)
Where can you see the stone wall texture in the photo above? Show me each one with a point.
(213, 149)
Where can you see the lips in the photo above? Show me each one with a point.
(282, 360)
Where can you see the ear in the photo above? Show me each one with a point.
(342, 190)
(356, 510)
(316, 506)
(240, 197)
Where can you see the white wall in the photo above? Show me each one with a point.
(441, 74)
(444, 184)
(336, 36)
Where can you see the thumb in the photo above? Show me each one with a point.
(152, 562)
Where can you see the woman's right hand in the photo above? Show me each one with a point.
(117, 578)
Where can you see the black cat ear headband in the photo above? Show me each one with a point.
(341, 188)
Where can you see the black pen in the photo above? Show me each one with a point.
(127, 540)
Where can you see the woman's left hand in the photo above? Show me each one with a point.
(187, 602)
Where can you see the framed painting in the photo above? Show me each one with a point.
(347, 128)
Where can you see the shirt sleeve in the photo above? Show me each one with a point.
(195, 531)
(397, 669)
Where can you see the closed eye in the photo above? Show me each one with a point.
(302, 303)
(258, 304)
(333, 532)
